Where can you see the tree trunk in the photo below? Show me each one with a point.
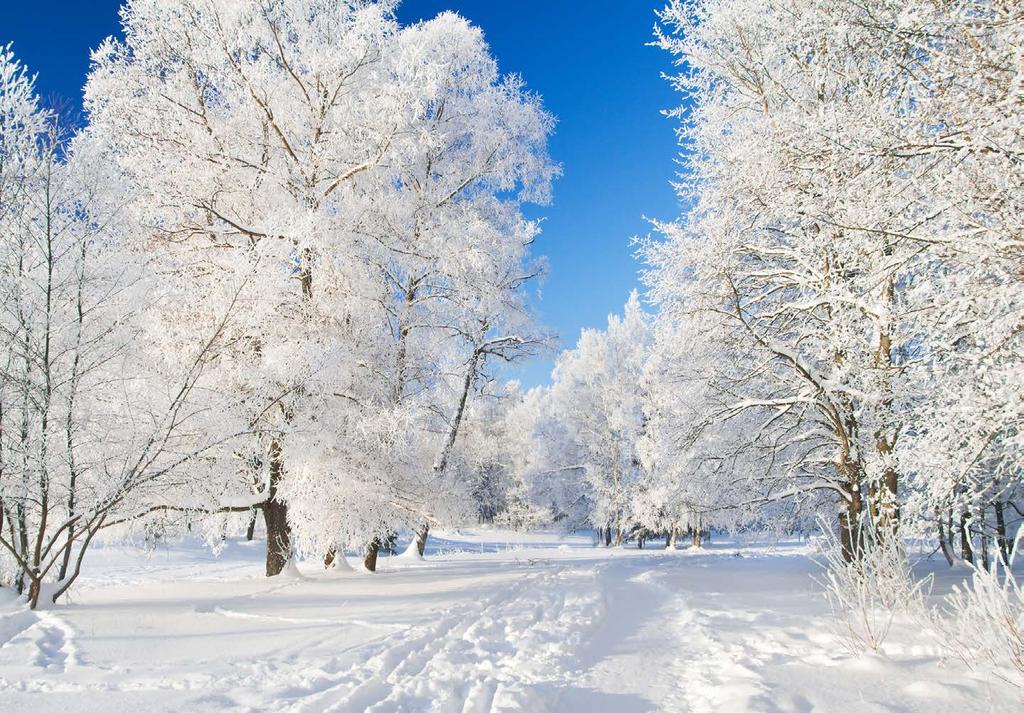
(332, 552)
(1001, 541)
(672, 537)
(34, 590)
(608, 536)
(275, 517)
(850, 535)
(884, 500)
(421, 538)
(966, 549)
(370, 558)
(460, 410)
(984, 536)
(250, 532)
(944, 544)
(69, 418)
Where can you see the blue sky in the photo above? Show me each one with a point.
(589, 60)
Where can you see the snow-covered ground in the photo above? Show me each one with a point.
(490, 621)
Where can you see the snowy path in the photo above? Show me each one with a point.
(538, 625)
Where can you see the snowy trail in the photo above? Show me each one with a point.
(540, 625)
(493, 655)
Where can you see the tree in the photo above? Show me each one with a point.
(91, 426)
(818, 137)
(369, 177)
(598, 402)
(445, 239)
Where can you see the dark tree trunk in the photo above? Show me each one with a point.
(250, 531)
(966, 549)
(275, 517)
(850, 535)
(1001, 541)
(332, 552)
(984, 537)
(608, 536)
(421, 539)
(370, 558)
(944, 543)
(34, 590)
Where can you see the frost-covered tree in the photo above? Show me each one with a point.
(93, 424)
(448, 245)
(363, 182)
(241, 129)
(597, 408)
(854, 172)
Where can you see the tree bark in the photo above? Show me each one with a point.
(850, 535)
(421, 538)
(884, 501)
(275, 517)
(1001, 541)
(370, 558)
(944, 544)
(966, 548)
(984, 536)
(250, 532)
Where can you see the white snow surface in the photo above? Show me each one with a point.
(488, 621)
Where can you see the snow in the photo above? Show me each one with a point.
(488, 621)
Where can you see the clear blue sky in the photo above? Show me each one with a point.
(589, 61)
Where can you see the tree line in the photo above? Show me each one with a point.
(838, 327)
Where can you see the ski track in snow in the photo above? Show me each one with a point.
(494, 655)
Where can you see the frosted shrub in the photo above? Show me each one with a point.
(982, 623)
(867, 593)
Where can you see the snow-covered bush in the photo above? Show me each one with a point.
(982, 623)
(867, 592)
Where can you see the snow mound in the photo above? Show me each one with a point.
(341, 566)
(411, 553)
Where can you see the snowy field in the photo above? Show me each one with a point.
(490, 621)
